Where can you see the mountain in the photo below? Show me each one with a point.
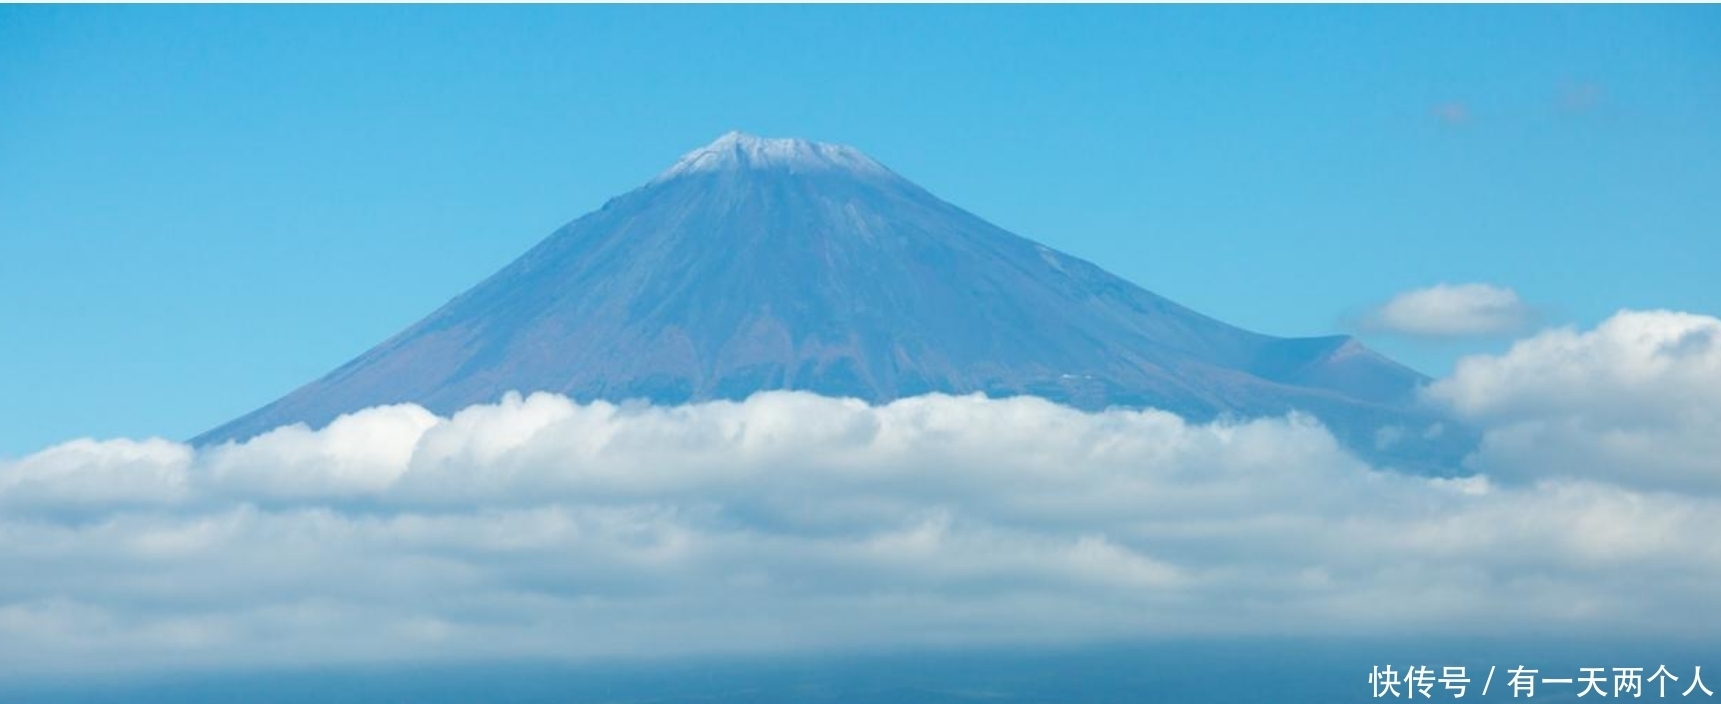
(755, 264)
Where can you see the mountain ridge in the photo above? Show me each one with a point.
(755, 264)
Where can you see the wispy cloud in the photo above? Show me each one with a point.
(542, 527)
(1452, 114)
(1451, 311)
(1581, 96)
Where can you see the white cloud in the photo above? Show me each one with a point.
(1637, 401)
(538, 527)
(1451, 310)
(85, 474)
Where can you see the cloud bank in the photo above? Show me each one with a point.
(539, 527)
(1452, 311)
(1635, 401)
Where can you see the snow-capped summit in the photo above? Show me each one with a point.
(759, 264)
(742, 151)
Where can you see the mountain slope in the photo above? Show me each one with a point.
(756, 264)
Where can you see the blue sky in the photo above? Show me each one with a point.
(201, 208)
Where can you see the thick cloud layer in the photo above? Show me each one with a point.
(541, 527)
(1637, 401)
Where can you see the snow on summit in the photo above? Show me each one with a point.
(739, 150)
(757, 264)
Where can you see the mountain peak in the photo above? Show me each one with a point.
(769, 264)
(739, 151)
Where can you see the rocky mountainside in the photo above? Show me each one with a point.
(755, 264)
